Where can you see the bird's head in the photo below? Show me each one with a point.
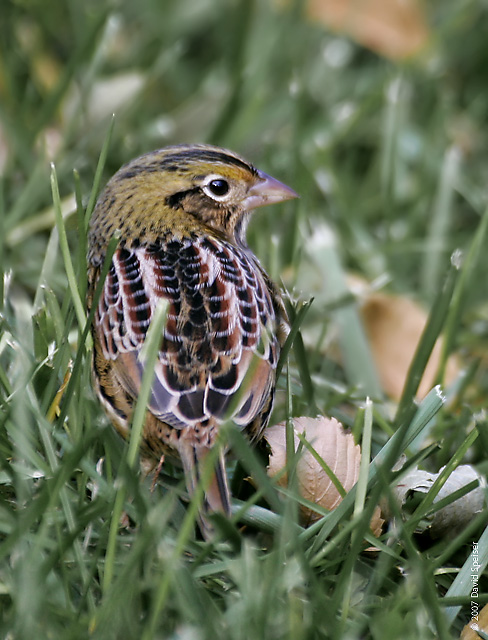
(182, 187)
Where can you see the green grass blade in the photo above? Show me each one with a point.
(99, 172)
(66, 253)
(356, 353)
(474, 566)
(461, 291)
(437, 318)
(440, 222)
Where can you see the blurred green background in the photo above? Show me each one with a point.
(366, 140)
(376, 113)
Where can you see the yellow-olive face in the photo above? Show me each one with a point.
(179, 187)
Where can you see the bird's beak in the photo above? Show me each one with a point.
(267, 190)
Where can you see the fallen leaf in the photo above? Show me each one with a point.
(396, 29)
(394, 325)
(479, 622)
(376, 525)
(333, 445)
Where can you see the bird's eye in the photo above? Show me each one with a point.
(218, 187)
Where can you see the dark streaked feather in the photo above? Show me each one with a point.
(220, 321)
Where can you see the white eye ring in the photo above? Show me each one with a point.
(216, 187)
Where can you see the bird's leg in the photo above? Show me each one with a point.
(157, 472)
(217, 495)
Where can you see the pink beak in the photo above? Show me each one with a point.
(267, 190)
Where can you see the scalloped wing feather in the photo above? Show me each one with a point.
(219, 348)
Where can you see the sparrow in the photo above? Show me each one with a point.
(181, 214)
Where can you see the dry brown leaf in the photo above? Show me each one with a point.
(479, 622)
(377, 523)
(396, 29)
(334, 446)
(394, 325)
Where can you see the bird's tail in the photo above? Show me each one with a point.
(217, 495)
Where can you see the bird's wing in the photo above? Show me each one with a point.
(219, 348)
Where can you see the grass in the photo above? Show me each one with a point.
(390, 161)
